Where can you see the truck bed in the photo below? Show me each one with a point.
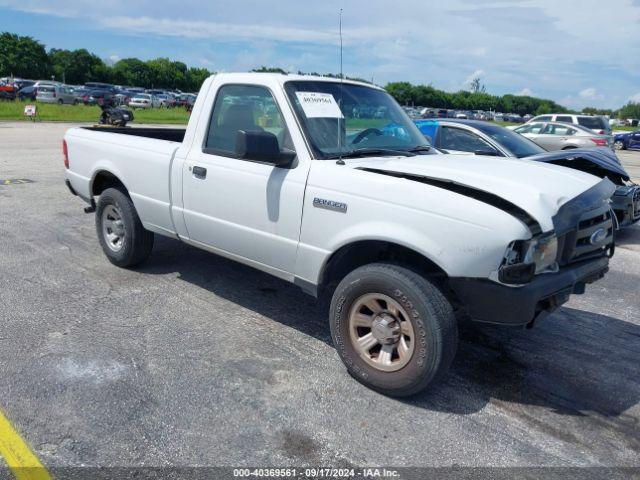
(168, 134)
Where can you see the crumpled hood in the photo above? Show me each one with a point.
(537, 188)
(602, 157)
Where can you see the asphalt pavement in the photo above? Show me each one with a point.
(195, 360)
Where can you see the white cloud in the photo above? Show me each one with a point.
(590, 93)
(113, 59)
(526, 92)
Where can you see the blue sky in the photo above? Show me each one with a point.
(577, 52)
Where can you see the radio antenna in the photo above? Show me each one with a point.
(340, 161)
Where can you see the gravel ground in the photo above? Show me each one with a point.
(195, 360)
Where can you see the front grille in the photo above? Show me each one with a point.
(593, 236)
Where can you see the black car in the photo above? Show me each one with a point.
(28, 93)
(97, 96)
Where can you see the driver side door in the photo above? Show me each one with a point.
(242, 207)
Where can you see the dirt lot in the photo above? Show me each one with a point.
(195, 360)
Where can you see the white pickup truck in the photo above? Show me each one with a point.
(329, 185)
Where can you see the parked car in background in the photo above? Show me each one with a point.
(186, 100)
(563, 136)
(627, 141)
(144, 100)
(481, 138)
(28, 93)
(7, 91)
(165, 100)
(97, 96)
(56, 93)
(596, 123)
(101, 86)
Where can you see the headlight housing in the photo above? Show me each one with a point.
(526, 258)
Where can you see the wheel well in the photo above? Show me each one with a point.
(104, 180)
(357, 254)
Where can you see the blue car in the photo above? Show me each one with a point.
(627, 141)
(455, 137)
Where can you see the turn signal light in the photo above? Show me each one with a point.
(65, 152)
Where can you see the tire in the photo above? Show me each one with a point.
(116, 216)
(61, 102)
(619, 145)
(424, 313)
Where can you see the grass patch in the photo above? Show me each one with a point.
(52, 112)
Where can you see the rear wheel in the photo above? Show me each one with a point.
(394, 330)
(60, 101)
(124, 240)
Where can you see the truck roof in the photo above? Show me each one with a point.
(282, 78)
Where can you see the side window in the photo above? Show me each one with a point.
(248, 108)
(559, 130)
(452, 138)
(564, 118)
(530, 128)
(543, 118)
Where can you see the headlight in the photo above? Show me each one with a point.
(542, 251)
(525, 258)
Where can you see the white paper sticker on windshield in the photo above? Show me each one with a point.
(319, 105)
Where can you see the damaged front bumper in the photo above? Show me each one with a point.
(487, 301)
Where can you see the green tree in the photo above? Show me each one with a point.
(195, 78)
(630, 110)
(131, 72)
(477, 86)
(264, 69)
(77, 66)
(22, 57)
(166, 73)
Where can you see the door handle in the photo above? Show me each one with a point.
(199, 172)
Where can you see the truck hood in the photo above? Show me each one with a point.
(539, 189)
(601, 162)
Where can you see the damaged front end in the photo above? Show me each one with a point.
(602, 163)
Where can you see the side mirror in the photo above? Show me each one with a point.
(487, 151)
(263, 147)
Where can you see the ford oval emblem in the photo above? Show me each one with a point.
(598, 236)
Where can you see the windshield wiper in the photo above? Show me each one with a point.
(420, 148)
(361, 152)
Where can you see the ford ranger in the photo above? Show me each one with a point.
(329, 185)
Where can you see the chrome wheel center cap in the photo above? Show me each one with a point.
(385, 329)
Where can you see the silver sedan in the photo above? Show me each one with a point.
(563, 136)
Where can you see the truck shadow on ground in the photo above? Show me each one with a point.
(574, 362)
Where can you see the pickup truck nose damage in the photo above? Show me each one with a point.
(585, 228)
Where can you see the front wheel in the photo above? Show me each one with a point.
(619, 145)
(393, 329)
(124, 240)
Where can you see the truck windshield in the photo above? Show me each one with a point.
(347, 119)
